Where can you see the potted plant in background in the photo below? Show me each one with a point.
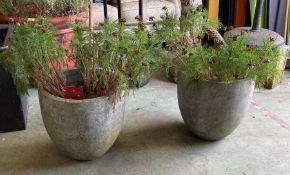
(62, 14)
(13, 107)
(148, 48)
(216, 84)
(82, 110)
(192, 30)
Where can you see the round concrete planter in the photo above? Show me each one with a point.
(212, 110)
(82, 129)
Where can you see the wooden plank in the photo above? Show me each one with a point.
(286, 20)
(288, 29)
(273, 6)
(240, 13)
(280, 18)
(227, 12)
(213, 9)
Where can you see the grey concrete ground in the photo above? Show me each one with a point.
(154, 141)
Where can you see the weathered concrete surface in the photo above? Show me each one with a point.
(155, 141)
(82, 129)
(213, 110)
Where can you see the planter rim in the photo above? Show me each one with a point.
(91, 100)
(54, 20)
(34, 18)
(49, 17)
(218, 82)
(64, 31)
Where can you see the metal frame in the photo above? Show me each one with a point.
(105, 3)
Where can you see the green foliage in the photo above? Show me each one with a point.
(195, 21)
(30, 56)
(171, 32)
(144, 55)
(167, 30)
(232, 62)
(111, 59)
(31, 8)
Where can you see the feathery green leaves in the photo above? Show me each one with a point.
(232, 62)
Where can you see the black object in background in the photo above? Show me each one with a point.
(227, 12)
(13, 108)
(204, 3)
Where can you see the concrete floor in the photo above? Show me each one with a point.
(154, 141)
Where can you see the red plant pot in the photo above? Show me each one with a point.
(62, 23)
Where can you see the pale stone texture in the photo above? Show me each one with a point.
(213, 110)
(82, 129)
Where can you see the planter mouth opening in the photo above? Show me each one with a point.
(216, 82)
(33, 15)
(89, 100)
(224, 82)
(65, 31)
(60, 22)
(74, 79)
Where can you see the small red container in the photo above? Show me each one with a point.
(74, 92)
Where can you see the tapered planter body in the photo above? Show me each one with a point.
(212, 110)
(82, 129)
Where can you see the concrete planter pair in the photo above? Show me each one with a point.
(213, 110)
(82, 129)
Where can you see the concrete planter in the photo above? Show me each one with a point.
(212, 110)
(82, 129)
